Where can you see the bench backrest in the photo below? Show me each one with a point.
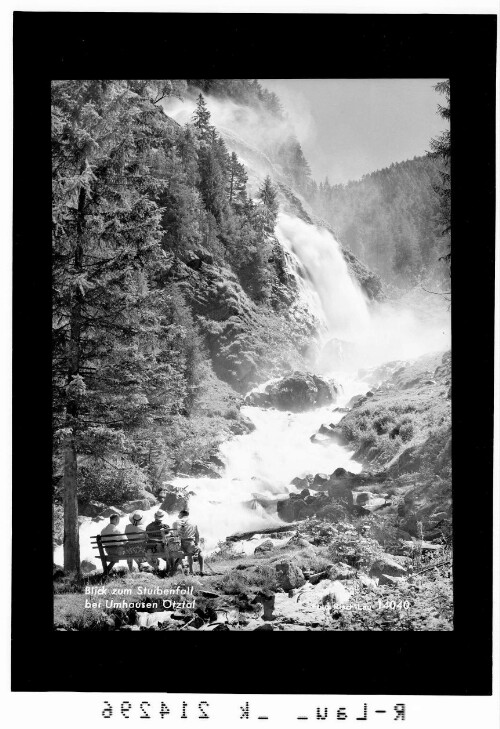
(137, 544)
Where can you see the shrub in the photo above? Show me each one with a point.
(112, 484)
(406, 432)
(192, 440)
(409, 409)
(388, 447)
(232, 413)
(368, 439)
(57, 524)
(383, 423)
(349, 431)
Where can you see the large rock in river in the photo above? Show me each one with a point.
(137, 505)
(298, 392)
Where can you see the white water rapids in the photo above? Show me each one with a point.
(260, 466)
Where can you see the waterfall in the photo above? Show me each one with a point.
(326, 280)
(355, 332)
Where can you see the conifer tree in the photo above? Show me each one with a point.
(441, 149)
(269, 207)
(109, 371)
(237, 182)
(201, 119)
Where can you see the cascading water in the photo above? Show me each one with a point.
(342, 305)
(258, 470)
(355, 332)
(260, 466)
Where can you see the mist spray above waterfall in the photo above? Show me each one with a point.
(355, 332)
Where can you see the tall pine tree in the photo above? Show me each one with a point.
(109, 371)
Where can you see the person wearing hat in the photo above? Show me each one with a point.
(135, 532)
(156, 530)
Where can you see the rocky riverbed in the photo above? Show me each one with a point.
(333, 550)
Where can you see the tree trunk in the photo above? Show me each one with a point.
(70, 473)
(70, 482)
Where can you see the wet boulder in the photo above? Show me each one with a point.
(325, 429)
(174, 500)
(342, 473)
(199, 468)
(242, 426)
(299, 392)
(145, 494)
(329, 433)
(320, 481)
(356, 401)
(218, 462)
(257, 399)
(286, 510)
(137, 505)
(320, 439)
(302, 483)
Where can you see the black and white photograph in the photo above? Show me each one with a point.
(253, 359)
(252, 355)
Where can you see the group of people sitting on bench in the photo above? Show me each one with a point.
(156, 536)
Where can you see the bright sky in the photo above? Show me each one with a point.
(349, 127)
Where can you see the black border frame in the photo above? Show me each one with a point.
(139, 45)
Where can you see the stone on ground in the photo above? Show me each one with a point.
(88, 566)
(289, 575)
(387, 565)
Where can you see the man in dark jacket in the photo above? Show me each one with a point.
(156, 531)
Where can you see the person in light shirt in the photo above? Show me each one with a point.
(111, 533)
(190, 538)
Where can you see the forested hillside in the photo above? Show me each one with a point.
(390, 219)
(170, 294)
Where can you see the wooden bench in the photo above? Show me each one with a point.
(145, 547)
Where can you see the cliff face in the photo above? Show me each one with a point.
(259, 164)
(250, 343)
(247, 343)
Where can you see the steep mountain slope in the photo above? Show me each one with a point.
(390, 219)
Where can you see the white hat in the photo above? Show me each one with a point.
(136, 517)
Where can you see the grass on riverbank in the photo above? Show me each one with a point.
(407, 410)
